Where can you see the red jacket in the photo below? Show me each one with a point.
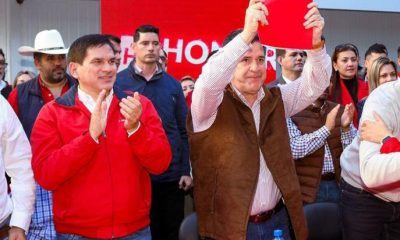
(99, 190)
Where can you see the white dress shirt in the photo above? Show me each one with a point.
(15, 160)
(218, 73)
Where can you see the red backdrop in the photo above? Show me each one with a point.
(189, 30)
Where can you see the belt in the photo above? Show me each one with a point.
(328, 176)
(265, 216)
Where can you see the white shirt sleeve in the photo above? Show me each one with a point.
(215, 76)
(376, 169)
(16, 153)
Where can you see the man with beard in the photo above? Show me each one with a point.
(146, 76)
(292, 63)
(49, 54)
(318, 135)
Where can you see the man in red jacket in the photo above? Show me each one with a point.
(95, 147)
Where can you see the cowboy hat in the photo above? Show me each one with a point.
(46, 41)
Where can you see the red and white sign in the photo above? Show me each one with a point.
(189, 30)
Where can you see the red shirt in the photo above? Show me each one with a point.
(46, 94)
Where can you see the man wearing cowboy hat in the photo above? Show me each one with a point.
(49, 54)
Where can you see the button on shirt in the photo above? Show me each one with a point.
(209, 92)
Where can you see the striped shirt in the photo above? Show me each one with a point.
(209, 92)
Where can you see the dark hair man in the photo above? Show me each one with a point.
(107, 144)
(292, 63)
(242, 166)
(5, 88)
(27, 99)
(145, 75)
(116, 43)
(375, 51)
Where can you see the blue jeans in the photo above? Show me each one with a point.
(328, 192)
(368, 217)
(143, 234)
(265, 230)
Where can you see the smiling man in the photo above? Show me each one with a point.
(242, 167)
(106, 145)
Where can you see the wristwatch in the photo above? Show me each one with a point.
(385, 139)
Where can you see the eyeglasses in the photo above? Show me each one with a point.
(3, 64)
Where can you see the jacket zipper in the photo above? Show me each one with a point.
(111, 177)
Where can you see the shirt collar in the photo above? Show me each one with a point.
(89, 102)
(139, 71)
(260, 96)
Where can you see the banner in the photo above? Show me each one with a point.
(189, 30)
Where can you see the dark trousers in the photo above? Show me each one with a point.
(328, 192)
(368, 217)
(167, 210)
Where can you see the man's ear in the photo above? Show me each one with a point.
(279, 60)
(73, 69)
(133, 45)
(37, 64)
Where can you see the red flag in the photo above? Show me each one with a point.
(285, 28)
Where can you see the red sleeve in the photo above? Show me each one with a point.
(13, 100)
(391, 145)
(51, 155)
(150, 142)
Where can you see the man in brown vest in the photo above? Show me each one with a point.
(318, 135)
(240, 153)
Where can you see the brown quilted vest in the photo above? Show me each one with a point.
(309, 168)
(226, 161)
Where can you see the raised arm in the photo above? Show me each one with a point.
(218, 71)
(316, 72)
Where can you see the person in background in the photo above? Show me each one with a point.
(5, 88)
(375, 51)
(382, 70)
(187, 83)
(163, 60)
(146, 76)
(27, 99)
(318, 135)
(292, 63)
(23, 76)
(347, 87)
(116, 43)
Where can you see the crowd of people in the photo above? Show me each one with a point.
(95, 154)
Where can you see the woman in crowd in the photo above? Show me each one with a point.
(347, 87)
(22, 76)
(382, 70)
(187, 83)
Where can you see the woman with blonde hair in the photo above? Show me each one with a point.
(383, 70)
